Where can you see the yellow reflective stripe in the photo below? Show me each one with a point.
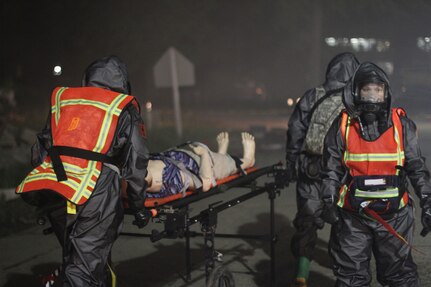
(86, 194)
(346, 140)
(402, 203)
(96, 104)
(57, 103)
(85, 182)
(74, 170)
(70, 182)
(107, 123)
(340, 202)
(92, 184)
(387, 193)
(373, 156)
(400, 153)
(20, 187)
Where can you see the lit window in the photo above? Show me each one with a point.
(359, 44)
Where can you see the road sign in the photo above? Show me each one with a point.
(184, 68)
(174, 70)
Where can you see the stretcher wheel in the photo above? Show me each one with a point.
(220, 277)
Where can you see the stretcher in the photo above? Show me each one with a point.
(174, 214)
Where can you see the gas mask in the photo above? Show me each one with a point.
(372, 101)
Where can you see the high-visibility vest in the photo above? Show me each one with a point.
(374, 167)
(83, 119)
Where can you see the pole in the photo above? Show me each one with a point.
(176, 93)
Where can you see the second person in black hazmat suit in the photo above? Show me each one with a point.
(308, 124)
(94, 137)
(370, 151)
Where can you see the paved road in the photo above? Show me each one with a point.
(141, 263)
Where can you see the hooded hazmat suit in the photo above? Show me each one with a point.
(365, 169)
(307, 127)
(87, 225)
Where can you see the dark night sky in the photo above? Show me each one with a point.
(277, 44)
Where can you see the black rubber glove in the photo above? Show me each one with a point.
(142, 217)
(291, 173)
(330, 210)
(426, 215)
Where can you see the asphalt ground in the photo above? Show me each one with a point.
(139, 262)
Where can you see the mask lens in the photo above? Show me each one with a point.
(372, 93)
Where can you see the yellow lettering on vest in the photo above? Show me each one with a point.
(73, 124)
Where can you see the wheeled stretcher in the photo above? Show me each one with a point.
(173, 212)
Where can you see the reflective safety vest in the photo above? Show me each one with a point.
(376, 177)
(83, 126)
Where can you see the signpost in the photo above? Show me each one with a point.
(174, 70)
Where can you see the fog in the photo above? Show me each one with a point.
(249, 57)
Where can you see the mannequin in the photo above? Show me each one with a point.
(208, 165)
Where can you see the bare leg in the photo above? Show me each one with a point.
(249, 149)
(223, 142)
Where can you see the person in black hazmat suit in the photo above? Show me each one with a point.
(88, 227)
(307, 127)
(369, 152)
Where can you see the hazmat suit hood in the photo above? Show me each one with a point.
(340, 70)
(366, 72)
(108, 73)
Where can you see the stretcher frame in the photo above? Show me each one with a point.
(177, 220)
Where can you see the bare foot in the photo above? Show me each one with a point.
(249, 147)
(223, 142)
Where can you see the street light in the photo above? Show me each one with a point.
(56, 71)
(289, 102)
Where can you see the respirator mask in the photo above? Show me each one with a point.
(371, 101)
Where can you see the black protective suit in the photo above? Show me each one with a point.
(87, 236)
(338, 72)
(354, 237)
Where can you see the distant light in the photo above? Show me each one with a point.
(424, 43)
(57, 71)
(259, 91)
(290, 102)
(388, 67)
(360, 44)
(148, 106)
(297, 100)
(331, 41)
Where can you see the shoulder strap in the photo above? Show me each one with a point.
(344, 118)
(56, 151)
(327, 95)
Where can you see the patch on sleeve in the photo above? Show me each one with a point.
(142, 130)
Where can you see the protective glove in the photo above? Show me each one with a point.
(142, 217)
(330, 210)
(426, 215)
(291, 173)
